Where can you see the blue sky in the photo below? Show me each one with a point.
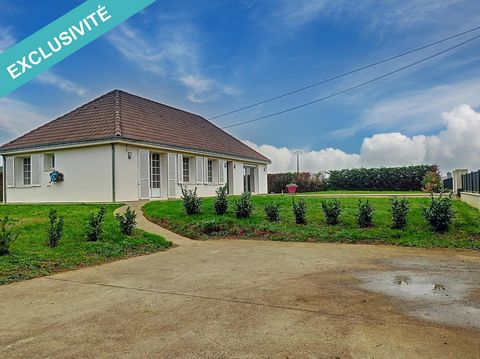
(210, 57)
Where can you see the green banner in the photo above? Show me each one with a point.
(40, 51)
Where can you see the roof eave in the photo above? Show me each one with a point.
(118, 139)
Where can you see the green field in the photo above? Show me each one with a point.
(31, 257)
(464, 233)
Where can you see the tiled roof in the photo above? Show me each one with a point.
(119, 115)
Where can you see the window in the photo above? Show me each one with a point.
(209, 171)
(186, 169)
(27, 171)
(49, 161)
(155, 170)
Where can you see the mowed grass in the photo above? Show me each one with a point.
(31, 256)
(464, 232)
(346, 192)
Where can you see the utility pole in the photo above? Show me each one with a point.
(297, 153)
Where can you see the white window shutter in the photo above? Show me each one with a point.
(221, 172)
(172, 174)
(143, 174)
(199, 161)
(205, 170)
(35, 170)
(10, 169)
(180, 168)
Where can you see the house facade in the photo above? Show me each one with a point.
(121, 147)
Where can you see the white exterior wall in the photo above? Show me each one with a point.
(87, 177)
(127, 178)
(126, 173)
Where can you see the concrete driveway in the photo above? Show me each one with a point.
(252, 299)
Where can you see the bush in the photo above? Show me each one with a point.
(127, 221)
(408, 178)
(332, 210)
(191, 202)
(244, 206)
(440, 213)
(399, 211)
(272, 210)
(300, 211)
(221, 201)
(55, 228)
(432, 181)
(95, 222)
(306, 182)
(365, 214)
(6, 235)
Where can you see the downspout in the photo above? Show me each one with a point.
(4, 183)
(113, 172)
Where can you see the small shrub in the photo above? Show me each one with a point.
(244, 206)
(399, 212)
(300, 211)
(95, 222)
(332, 210)
(365, 214)
(55, 228)
(221, 201)
(440, 213)
(272, 210)
(127, 221)
(191, 202)
(6, 235)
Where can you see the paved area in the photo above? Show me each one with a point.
(251, 299)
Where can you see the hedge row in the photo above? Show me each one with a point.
(408, 178)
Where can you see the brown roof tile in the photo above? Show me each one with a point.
(120, 115)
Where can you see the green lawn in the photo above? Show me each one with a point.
(333, 192)
(31, 257)
(464, 233)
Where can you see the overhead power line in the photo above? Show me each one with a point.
(353, 87)
(343, 74)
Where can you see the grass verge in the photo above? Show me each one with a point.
(31, 257)
(464, 232)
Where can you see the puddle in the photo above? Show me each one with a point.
(440, 297)
(418, 288)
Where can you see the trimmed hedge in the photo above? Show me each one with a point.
(306, 182)
(408, 178)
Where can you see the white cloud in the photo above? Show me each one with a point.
(416, 111)
(379, 16)
(17, 117)
(456, 146)
(6, 38)
(297, 13)
(174, 52)
(49, 78)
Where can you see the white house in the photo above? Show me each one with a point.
(121, 147)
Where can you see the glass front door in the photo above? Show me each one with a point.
(154, 174)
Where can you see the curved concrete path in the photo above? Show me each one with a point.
(150, 227)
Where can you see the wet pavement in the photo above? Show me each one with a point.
(442, 296)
